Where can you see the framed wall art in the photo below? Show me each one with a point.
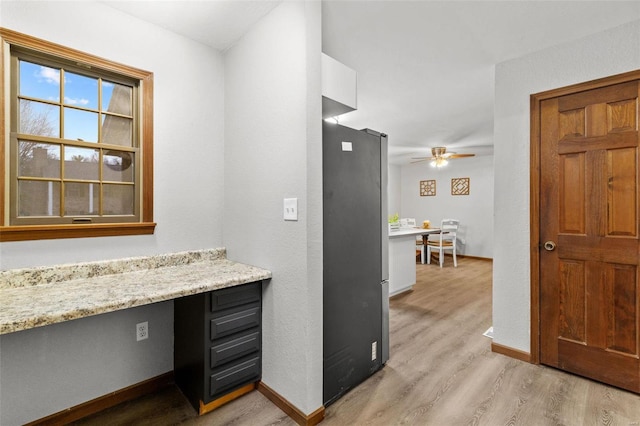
(427, 188)
(460, 186)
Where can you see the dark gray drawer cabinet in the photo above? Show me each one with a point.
(218, 342)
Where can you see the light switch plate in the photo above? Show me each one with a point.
(290, 209)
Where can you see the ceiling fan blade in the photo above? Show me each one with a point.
(461, 155)
(421, 159)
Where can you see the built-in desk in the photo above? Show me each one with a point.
(402, 258)
(35, 297)
(224, 332)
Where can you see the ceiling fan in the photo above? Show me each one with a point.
(440, 157)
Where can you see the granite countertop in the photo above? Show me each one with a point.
(36, 297)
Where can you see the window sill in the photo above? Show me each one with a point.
(39, 232)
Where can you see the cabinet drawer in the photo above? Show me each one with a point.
(235, 348)
(238, 374)
(235, 322)
(235, 296)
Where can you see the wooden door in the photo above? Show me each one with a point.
(589, 295)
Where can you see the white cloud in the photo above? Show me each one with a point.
(75, 101)
(49, 75)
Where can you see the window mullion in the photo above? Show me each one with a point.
(62, 180)
(61, 103)
(100, 111)
(62, 146)
(101, 171)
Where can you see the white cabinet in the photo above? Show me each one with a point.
(402, 258)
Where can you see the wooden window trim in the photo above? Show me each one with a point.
(146, 225)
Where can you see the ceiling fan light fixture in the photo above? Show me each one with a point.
(439, 162)
(440, 157)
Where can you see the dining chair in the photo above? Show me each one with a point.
(420, 248)
(446, 241)
(407, 222)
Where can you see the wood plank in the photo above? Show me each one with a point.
(586, 361)
(291, 410)
(205, 408)
(613, 140)
(600, 95)
(107, 401)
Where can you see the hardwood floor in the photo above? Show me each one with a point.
(441, 372)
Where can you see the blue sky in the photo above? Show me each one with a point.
(44, 83)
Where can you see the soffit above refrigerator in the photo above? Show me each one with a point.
(339, 88)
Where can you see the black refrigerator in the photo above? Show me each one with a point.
(356, 257)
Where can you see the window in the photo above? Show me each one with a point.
(76, 154)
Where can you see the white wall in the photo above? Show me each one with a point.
(475, 211)
(274, 151)
(188, 128)
(40, 370)
(394, 190)
(599, 55)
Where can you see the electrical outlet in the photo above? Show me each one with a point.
(374, 351)
(142, 331)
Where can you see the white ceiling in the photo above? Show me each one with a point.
(425, 68)
(216, 23)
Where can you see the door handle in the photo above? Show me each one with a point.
(549, 246)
